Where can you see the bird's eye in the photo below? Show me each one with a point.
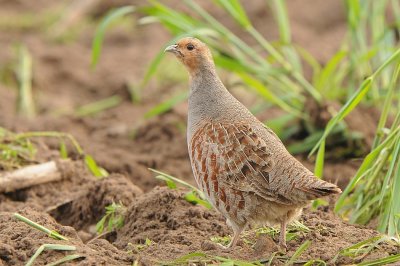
(190, 47)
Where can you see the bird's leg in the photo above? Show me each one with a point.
(282, 235)
(236, 233)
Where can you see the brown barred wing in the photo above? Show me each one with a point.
(229, 155)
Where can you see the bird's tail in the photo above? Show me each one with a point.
(321, 188)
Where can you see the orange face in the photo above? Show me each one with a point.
(192, 53)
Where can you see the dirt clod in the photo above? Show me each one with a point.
(163, 216)
(88, 207)
(20, 241)
(177, 227)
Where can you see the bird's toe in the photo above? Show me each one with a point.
(282, 247)
(223, 247)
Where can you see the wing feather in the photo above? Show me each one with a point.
(245, 163)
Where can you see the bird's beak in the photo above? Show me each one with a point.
(172, 49)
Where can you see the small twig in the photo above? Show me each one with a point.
(30, 176)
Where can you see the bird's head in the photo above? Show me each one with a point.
(194, 54)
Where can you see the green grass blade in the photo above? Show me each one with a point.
(319, 162)
(298, 252)
(263, 91)
(346, 109)
(99, 106)
(170, 184)
(226, 33)
(354, 12)
(394, 57)
(39, 227)
(48, 247)
(177, 22)
(176, 180)
(387, 104)
(232, 64)
(288, 67)
(309, 59)
(294, 59)
(26, 105)
(66, 259)
(230, 262)
(357, 248)
(394, 220)
(355, 99)
(110, 17)
(194, 199)
(279, 124)
(236, 10)
(286, 46)
(152, 68)
(100, 224)
(394, 160)
(28, 135)
(96, 170)
(368, 161)
(63, 150)
(315, 262)
(167, 105)
(282, 18)
(382, 261)
(185, 258)
(179, 181)
(328, 73)
(306, 144)
(355, 216)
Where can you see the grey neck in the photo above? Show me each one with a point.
(207, 98)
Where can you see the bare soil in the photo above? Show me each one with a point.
(126, 145)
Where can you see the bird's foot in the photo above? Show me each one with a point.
(223, 247)
(209, 245)
(233, 242)
(282, 247)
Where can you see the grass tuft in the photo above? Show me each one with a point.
(140, 247)
(361, 249)
(113, 219)
(18, 150)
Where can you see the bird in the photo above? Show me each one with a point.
(241, 165)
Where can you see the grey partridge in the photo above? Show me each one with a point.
(242, 167)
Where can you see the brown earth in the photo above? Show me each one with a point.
(126, 144)
(20, 241)
(177, 227)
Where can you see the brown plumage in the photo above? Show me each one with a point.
(241, 165)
